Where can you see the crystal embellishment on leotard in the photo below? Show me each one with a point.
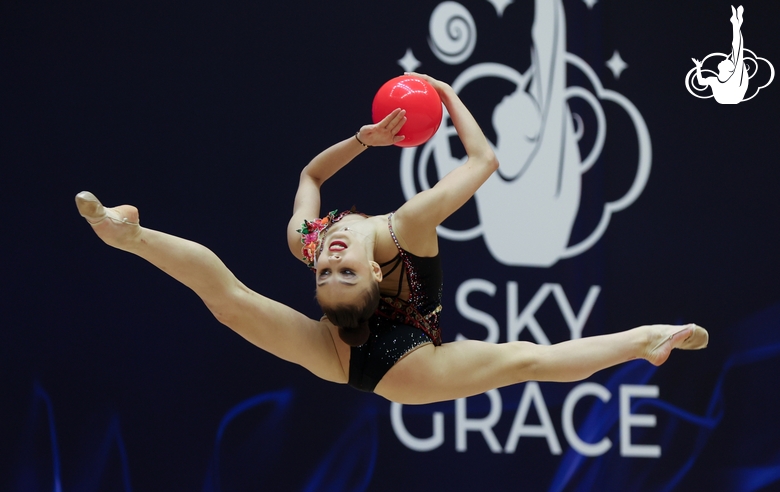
(403, 312)
(399, 327)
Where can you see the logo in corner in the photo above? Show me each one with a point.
(730, 84)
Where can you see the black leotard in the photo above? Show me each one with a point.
(398, 326)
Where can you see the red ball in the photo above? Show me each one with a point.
(422, 105)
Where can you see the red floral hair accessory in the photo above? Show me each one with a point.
(311, 237)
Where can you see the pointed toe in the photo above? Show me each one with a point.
(90, 207)
(698, 339)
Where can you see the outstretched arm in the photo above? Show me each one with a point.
(701, 80)
(428, 209)
(329, 162)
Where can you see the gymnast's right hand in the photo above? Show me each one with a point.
(386, 131)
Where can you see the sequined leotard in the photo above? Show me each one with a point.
(398, 326)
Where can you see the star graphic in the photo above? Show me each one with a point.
(500, 5)
(590, 3)
(409, 63)
(616, 64)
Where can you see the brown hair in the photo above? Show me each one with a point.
(352, 320)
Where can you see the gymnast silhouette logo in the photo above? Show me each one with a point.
(730, 84)
(537, 141)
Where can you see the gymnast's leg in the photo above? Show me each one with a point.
(266, 323)
(465, 368)
(737, 43)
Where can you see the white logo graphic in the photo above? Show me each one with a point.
(539, 182)
(730, 84)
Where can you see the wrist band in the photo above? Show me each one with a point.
(360, 141)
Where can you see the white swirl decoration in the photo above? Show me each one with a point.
(453, 33)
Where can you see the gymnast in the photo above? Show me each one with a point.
(731, 84)
(378, 281)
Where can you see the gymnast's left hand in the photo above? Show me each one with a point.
(386, 131)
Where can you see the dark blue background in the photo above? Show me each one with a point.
(115, 377)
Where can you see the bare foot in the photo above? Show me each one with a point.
(668, 337)
(736, 16)
(117, 227)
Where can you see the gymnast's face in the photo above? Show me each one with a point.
(344, 271)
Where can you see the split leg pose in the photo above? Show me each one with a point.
(357, 254)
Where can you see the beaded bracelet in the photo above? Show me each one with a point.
(360, 141)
